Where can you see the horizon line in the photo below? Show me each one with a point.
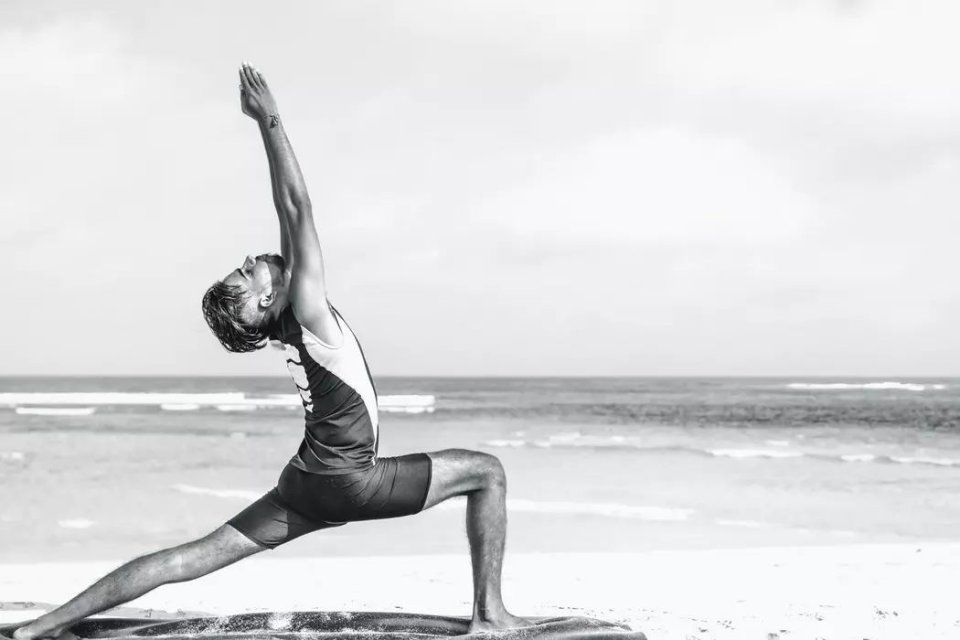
(494, 376)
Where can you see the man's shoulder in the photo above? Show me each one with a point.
(321, 322)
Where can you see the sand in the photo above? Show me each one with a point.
(857, 591)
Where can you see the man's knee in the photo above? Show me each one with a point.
(474, 467)
(485, 467)
(493, 470)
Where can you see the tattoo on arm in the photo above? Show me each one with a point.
(274, 120)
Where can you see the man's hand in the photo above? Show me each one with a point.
(255, 97)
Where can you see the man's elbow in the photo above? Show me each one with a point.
(297, 205)
(301, 201)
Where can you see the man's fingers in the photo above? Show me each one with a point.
(244, 83)
(248, 73)
(257, 78)
(260, 78)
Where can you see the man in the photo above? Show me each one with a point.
(336, 476)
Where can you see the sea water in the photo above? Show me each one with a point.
(105, 467)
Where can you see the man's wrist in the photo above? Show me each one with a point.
(270, 121)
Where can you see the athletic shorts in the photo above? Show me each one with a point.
(303, 502)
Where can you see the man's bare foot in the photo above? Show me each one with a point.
(498, 622)
(25, 633)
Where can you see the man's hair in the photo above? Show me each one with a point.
(222, 304)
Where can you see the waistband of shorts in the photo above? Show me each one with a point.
(322, 470)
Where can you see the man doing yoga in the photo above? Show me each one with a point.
(336, 476)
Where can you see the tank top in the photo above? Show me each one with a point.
(339, 398)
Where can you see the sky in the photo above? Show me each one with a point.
(500, 187)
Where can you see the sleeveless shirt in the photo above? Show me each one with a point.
(339, 398)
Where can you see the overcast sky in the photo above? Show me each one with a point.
(501, 187)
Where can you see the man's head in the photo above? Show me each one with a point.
(241, 308)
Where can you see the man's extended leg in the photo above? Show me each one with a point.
(224, 546)
(480, 477)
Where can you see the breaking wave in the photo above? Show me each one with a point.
(872, 386)
(624, 443)
(85, 403)
(55, 411)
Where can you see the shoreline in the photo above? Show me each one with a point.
(863, 591)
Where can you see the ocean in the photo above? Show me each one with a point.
(103, 468)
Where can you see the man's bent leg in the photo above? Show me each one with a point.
(188, 561)
(480, 477)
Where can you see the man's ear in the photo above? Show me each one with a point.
(267, 299)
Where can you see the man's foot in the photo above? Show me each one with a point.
(25, 633)
(499, 622)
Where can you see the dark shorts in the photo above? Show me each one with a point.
(303, 502)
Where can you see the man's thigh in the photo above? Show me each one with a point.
(455, 472)
(272, 521)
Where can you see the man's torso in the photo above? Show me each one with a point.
(339, 398)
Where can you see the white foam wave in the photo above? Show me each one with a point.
(603, 509)
(179, 406)
(754, 453)
(577, 439)
(783, 450)
(12, 456)
(55, 411)
(940, 462)
(236, 407)
(561, 438)
(239, 494)
(76, 523)
(402, 403)
(875, 386)
(389, 409)
(117, 398)
(858, 457)
(505, 443)
(406, 401)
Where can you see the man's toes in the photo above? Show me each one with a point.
(22, 634)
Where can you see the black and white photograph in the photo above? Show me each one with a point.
(523, 320)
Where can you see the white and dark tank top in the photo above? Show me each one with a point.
(339, 398)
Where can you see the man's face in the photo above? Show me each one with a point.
(257, 277)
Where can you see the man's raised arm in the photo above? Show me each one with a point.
(300, 246)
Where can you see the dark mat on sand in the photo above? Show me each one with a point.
(341, 625)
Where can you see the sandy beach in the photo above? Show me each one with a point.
(863, 591)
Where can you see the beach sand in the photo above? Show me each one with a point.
(856, 591)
